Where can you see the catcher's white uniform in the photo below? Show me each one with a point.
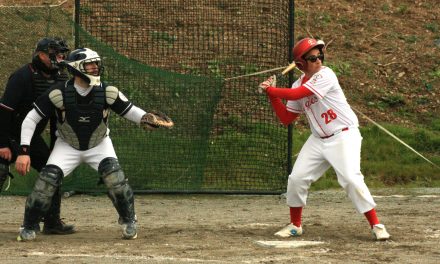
(66, 157)
(335, 141)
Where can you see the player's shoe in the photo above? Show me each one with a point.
(26, 234)
(380, 233)
(58, 228)
(289, 231)
(129, 230)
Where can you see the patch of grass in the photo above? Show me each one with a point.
(435, 73)
(385, 8)
(411, 39)
(403, 9)
(85, 10)
(108, 7)
(340, 68)
(214, 68)
(393, 100)
(435, 125)
(163, 36)
(433, 27)
(188, 69)
(249, 68)
(324, 18)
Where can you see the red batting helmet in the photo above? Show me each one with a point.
(302, 47)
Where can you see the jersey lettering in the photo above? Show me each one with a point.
(311, 101)
(329, 116)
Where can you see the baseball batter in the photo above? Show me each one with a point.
(82, 106)
(335, 140)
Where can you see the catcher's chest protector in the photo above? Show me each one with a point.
(82, 123)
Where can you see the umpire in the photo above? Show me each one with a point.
(22, 88)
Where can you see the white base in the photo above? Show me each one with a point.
(287, 244)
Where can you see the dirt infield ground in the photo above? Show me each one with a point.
(224, 229)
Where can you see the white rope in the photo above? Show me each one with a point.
(43, 6)
(395, 137)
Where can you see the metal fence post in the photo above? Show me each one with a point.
(290, 56)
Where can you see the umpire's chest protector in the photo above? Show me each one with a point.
(83, 124)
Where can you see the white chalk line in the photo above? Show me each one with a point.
(403, 196)
(121, 257)
(157, 258)
(287, 244)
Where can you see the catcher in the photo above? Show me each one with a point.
(82, 107)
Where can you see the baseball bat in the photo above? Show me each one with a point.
(286, 70)
(289, 68)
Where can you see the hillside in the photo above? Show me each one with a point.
(386, 53)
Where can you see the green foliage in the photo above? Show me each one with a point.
(385, 8)
(435, 73)
(214, 68)
(163, 36)
(85, 10)
(410, 39)
(324, 18)
(393, 100)
(29, 17)
(402, 9)
(340, 68)
(249, 68)
(435, 125)
(188, 69)
(108, 7)
(433, 27)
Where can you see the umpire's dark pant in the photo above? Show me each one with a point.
(39, 153)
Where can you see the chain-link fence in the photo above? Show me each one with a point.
(177, 56)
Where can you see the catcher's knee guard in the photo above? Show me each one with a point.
(39, 201)
(119, 192)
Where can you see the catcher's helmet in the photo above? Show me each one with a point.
(302, 47)
(76, 61)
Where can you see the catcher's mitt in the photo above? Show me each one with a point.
(156, 119)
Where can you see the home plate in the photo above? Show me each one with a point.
(287, 244)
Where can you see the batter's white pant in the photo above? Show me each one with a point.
(342, 152)
(68, 158)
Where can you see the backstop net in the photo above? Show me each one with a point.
(178, 57)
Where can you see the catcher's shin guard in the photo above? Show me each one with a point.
(119, 192)
(52, 220)
(53, 214)
(40, 199)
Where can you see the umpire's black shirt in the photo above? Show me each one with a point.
(23, 87)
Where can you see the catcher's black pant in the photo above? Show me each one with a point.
(39, 153)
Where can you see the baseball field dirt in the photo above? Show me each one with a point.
(225, 229)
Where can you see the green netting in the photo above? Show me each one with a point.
(22, 27)
(174, 56)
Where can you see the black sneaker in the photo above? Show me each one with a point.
(59, 228)
(129, 231)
